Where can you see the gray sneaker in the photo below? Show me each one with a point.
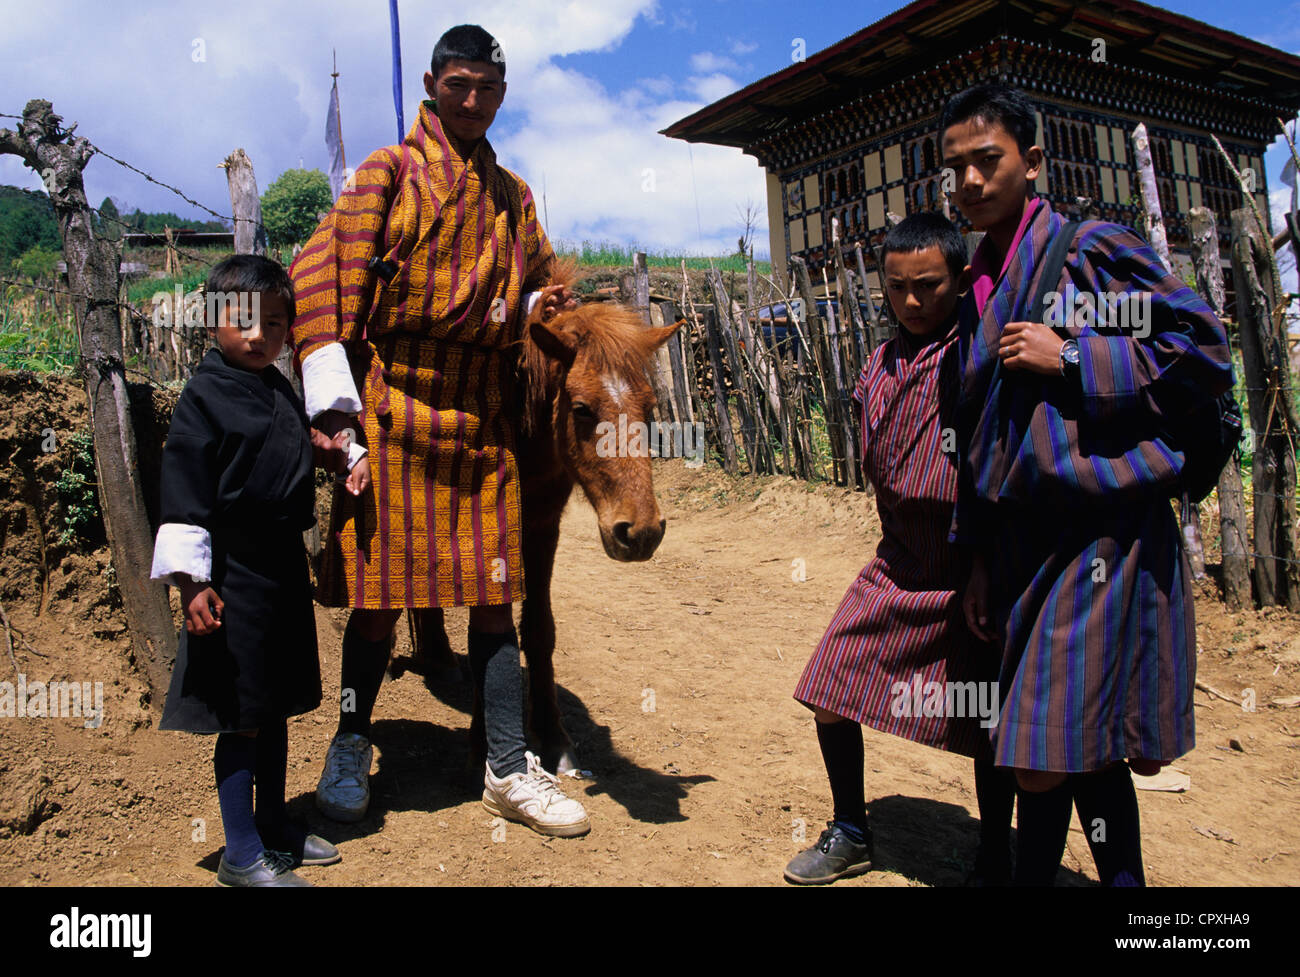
(343, 792)
(835, 856)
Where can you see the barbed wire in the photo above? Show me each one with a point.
(90, 298)
(83, 359)
(154, 180)
(1262, 556)
(138, 313)
(135, 230)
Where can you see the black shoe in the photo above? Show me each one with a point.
(835, 856)
(293, 839)
(272, 868)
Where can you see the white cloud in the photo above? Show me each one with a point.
(706, 62)
(608, 175)
(663, 86)
(710, 88)
(137, 92)
(742, 48)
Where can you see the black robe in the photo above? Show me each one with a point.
(238, 462)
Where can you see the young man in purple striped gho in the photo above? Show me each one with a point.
(1078, 568)
(897, 656)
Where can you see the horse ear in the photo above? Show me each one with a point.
(659, 334)
(554, 341)
(564, 271)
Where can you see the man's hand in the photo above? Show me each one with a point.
(556, 298)
(203, 607)
(975, 601)
(333, 422)
(1030, 346)
(330, 454)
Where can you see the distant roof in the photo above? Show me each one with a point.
(918, 35)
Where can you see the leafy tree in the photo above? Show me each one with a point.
(26, 221)
(37, 263)
(154, 223)
(106, 225)
(294, 204)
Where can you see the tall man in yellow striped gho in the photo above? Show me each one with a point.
(411, 292)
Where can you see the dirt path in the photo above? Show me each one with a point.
(676, 679)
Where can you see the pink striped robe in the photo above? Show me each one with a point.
(901, 620)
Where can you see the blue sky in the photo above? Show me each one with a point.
(591, 82)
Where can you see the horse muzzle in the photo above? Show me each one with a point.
(630, 542)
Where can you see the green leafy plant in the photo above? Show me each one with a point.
(78, 494)
(293, 205)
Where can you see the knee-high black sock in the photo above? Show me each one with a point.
(1041, 828)
(494, 661)
(234, 760)
(1108, 810)
(362, 675)
(841, 744)
(272, 758)
(995, 792)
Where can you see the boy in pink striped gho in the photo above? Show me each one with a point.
(897, 655)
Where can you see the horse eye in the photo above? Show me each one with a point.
(583, 412)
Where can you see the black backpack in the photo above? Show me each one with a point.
(1206, 431)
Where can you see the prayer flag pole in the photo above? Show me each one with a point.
(338, 112)
(397, 69)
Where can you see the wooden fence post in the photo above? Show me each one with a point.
(1272, 416)
(821, 364)
(59, 158)
(750, 431)
(1234, 544)
(1155, 225)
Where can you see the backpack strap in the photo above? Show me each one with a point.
(1053, 265)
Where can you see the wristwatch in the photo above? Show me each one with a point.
(1070, 359)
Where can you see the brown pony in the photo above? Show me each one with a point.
(583, 367)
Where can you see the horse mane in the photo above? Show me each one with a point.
(612, 336)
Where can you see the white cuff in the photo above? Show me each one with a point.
(181, 548)
(355, 453)
(327, 382)
(531, 299)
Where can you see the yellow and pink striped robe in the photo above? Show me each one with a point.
(432, 356)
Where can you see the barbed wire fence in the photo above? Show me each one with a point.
(137, 320)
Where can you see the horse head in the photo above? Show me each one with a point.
(587, 386)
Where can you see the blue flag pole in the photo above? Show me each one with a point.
(397, 69)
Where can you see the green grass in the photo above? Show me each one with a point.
(40, 340)
(607, 254)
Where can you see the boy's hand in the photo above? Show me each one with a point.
(556, 298)
(975, 601)
(200, 618)
(359, 478)
(1030, 346)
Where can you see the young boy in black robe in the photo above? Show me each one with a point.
(237, 492)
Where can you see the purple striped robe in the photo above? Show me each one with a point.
(899, 628)
(1066, 488)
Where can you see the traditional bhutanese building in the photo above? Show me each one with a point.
(851, 132)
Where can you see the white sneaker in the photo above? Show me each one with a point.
(343, 792)
(534, 798)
